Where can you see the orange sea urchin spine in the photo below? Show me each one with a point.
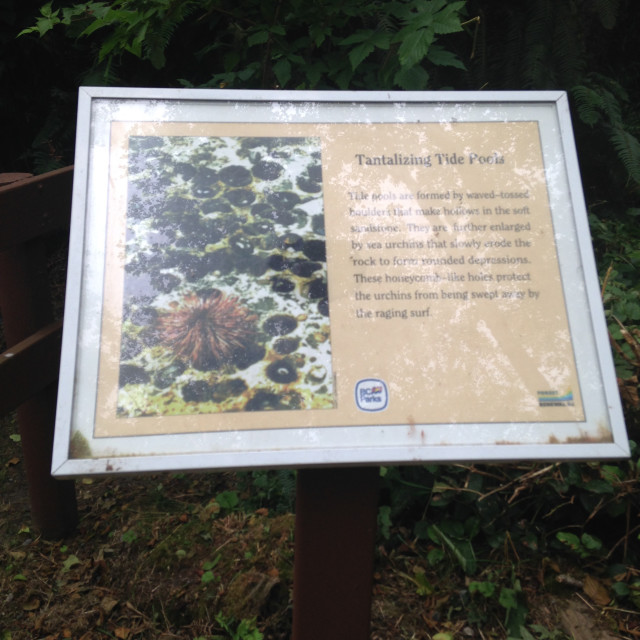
(206, 330)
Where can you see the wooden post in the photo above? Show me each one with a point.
(24, 305)
(336, 513)
(25, 308)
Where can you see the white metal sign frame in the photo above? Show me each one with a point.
(351, 427)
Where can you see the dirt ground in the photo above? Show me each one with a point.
(196, 556)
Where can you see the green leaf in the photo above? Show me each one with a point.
(380, 39)
(68, 13)
(129, 536)
(508, 598)
(486, 588)
(282, 71)
(157, 57)
(572, 541)
(319, 33)
(633, 310)
(384, 521)
(525, 635)
(453, 528)
(98, 9)
(620, 589)
(245, 74)
(591, 542)
(569, 539)
(357, 37)
(359, 53)
(46, 10)
(228, 499)
(15, 437)
(109, 45)
(314, 73)
(461, 549)
(611, 473)
(516, 615)
(448, 19)
(443, 58)
(259, 37)
(343, 77)
(139, 39)
(435, 556)
(424, 587)
(43, 25)
(94, 26)
(433, 533)
(27, 31)
(295, 59)
(599, 486)
(71, 561)
(412, 78)
(207, 577)
(414, 46)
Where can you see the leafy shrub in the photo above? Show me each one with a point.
(486, 526)
(291, 44)
(617, 246)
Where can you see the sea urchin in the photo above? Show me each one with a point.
(206, 331)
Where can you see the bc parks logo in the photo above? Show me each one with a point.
(371, 395)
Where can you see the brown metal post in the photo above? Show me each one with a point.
(25, 307)
(336, 512)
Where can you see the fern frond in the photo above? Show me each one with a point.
(538, 44)
(589, 104)
(610, 84)
(600, 97)
(161, 29)
(611, 107)
(386, 22)
(607, 12)
(568, 53)
(628, 148)
(505, 61)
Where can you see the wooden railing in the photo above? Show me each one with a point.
(32, 208)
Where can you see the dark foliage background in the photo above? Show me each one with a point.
(292, 44)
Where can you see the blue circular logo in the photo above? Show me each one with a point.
(371, 395)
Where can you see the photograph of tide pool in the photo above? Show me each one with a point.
(225, 304)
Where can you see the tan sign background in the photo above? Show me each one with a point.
(443, 279)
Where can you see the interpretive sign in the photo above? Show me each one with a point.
(284, 279)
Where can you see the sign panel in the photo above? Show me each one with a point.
(303, 278)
